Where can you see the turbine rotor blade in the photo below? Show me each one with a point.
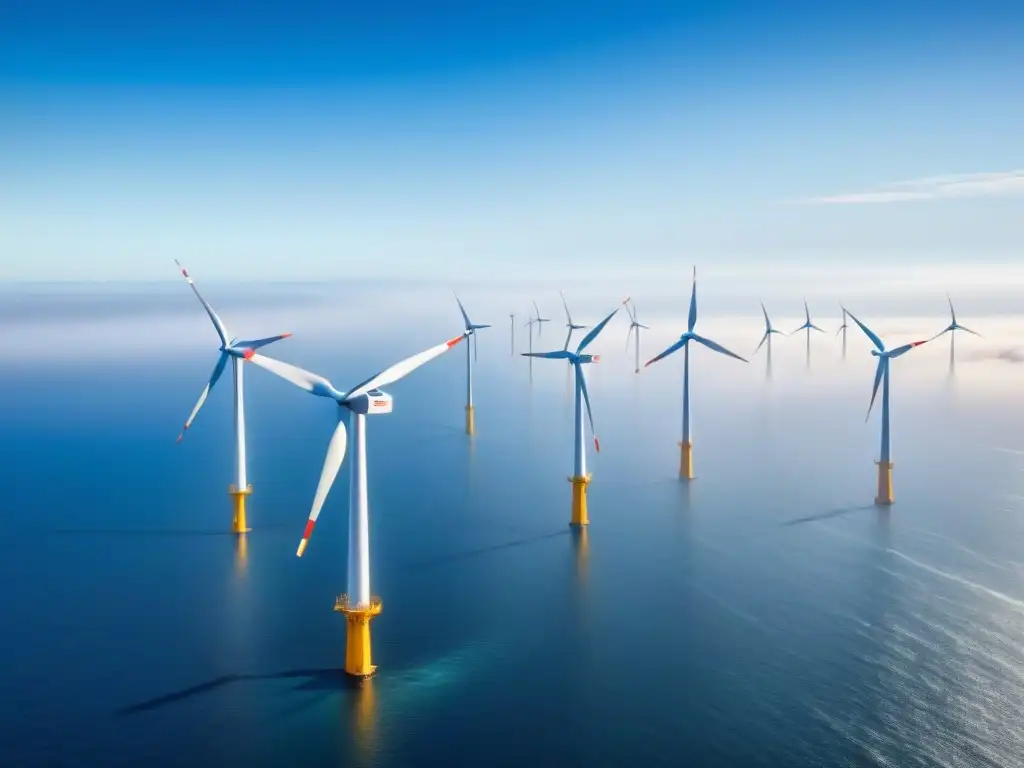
(868, 332)
(763, 340)
(557, 355)
(332, 463)
(692, 320)
(403, 368)
(300, 377)
(586, 400)
(974, 333)
(218, 369)
(257, 343)
(878, 380)
(717, 347)
(217, 324)
(905, 348)
(595, 331)
(675, 347)
(465, 317)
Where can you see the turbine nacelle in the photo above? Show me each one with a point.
(371, 403)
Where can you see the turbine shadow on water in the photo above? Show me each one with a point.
(830, 513)
(470, 553)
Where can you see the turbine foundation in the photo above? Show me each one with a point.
(470, 422)
(238, 522)
(686, 460)
(579, 501)
(884, 496)
(358, 658)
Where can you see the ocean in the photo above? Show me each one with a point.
(766, 613)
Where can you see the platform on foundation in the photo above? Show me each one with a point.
(470, 423)
(579, 500)
(358, 656)
(686, 460)
(884, 496)
(238, 522)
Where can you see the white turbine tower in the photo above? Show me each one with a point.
(512, 322)
(237, 351)
(633, 323)
(362, 400)
(580, 478)
(471, 330)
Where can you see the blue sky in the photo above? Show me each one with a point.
(311, 141)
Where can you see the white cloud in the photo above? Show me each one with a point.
(998, 184)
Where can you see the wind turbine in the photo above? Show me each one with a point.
(634, 324)
(237, 351)
(951, 329)
(884, 462)
(686, 444)
(569, 324)
(577, 360)
(512, 322)
(538, 320)
(768, 331)
(842, 330)
(808, 325)
(363, 400)
(471, 330)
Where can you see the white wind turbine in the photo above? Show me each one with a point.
(471, 329)
(362, 400)
(633, 323)
(237, 350)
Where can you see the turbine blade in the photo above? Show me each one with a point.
(558, 355)
(868, 332)
(217, 324)
(629, 335)
(816, 328)
(952, 312)
(403, 368)
(632, 317)
(300, 377)
(257, 343)
(465, 317)
(807, 312)
(905, 348)
(767, 322)
(677, 346)
(963, 328)
(218, 369)
(763, 340)
(594, 331)
(567, 315)
(332, 463)
(586, 400)
(717, 347)
(567, 337)
(878, 380)
(692, 321)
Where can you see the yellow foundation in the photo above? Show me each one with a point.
(238, 520)
(579, 500)
(884, 483)
(358, 658)
(686, 460)
(470, 424)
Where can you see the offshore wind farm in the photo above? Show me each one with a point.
(798, 540)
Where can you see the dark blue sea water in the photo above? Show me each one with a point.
(765, 614)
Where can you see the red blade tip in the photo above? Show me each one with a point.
(597, 445)
(451, 343)
(248, 354)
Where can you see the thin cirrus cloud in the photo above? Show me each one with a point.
(996, 184)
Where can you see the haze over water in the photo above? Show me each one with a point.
(766, 614)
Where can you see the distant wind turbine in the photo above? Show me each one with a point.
(884, 496)
(512, 322)
(951, 329)
(633, 323)
(238, 351)
(808, 325)
(354, 406)
(471, 329)
(569, 323)
(539, 320)
(769, 330)
(686, 444)
(842, 330)
(577, 360)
